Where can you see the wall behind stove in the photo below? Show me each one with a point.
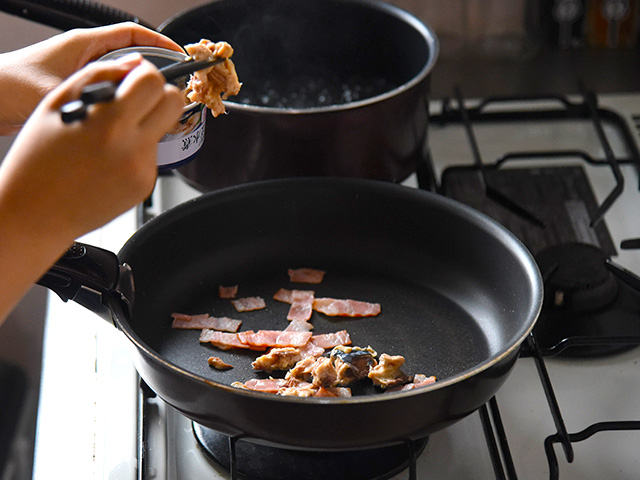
(494, 47)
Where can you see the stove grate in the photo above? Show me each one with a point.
(495, 434)
(488, 187)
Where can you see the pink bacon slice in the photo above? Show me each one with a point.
(268, 385)
(283, 295)
(198, 322)
(249, 304)
(298, 326)
(330, 340)
(222, 340)
(311, 350)
(301, 305)
(306, 275)
(346, 307)
(419, 380)
(228, 292)
(263, 339)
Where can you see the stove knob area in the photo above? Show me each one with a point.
(576, 277)
(586, 308)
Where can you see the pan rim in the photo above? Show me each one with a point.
(471, 215)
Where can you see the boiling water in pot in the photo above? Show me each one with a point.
(308, 92)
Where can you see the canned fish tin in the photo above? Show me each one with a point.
(182, 143)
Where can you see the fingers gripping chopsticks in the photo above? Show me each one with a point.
(105, 91)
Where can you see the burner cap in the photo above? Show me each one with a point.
(576, 277)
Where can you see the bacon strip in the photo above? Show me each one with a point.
(198, 322)
(311, 350)
(228, 292)
(299, 326)
(222, 340)
(301, 305)
(283, 295)
(306, 275)
(346, 308)
(269, 385)
(248, 304)
(330, 340)
(274, 338)
(419, 381)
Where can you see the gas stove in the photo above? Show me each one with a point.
(562, 174)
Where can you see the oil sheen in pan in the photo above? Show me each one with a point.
(436, 336)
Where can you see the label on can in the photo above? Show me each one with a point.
(184, 141)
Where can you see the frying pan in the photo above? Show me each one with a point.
(459, 293)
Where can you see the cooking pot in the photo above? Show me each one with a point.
(458, 293)
(361, 66)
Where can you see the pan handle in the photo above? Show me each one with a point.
(92, 277)
(68, 14)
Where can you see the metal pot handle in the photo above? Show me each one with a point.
(68, 14)
(92, 277)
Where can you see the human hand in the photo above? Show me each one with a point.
(67, 179)
(59, 181)
(28, 74)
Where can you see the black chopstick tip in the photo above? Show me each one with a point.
(73, 111)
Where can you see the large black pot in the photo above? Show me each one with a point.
(285, 45)
(288, 43)
(458, 293)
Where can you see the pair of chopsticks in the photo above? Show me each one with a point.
(105, 91)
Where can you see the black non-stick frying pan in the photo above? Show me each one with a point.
(458, 292)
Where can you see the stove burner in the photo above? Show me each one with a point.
(584, 302)
(261, 462)
(576, 277)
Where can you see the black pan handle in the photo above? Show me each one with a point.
(92, 277)
(68, 14)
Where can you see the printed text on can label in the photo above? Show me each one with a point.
(178, 147)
